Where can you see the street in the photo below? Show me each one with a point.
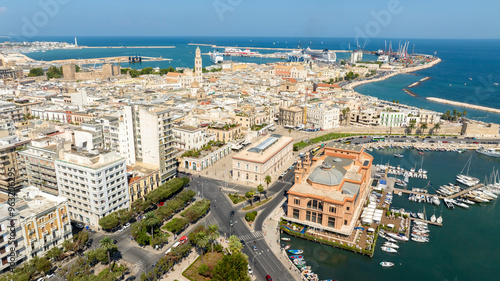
(263, 261)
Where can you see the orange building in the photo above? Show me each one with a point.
(330, 189)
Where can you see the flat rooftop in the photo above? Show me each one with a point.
(264, 148)
(344, 146)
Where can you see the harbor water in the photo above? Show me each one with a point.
(463, 249)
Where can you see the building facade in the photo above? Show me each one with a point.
(44, 221)
(291, 116)
(145, 135)
(142, 179)
(11, 177)
(267, 157)
(187, 137)
(95, 184)
(225, 132)
(323, 117)
(392, 119)
(8, 219)
(330, 190)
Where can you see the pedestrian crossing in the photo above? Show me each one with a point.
(252, 236)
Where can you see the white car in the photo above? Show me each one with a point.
(126, 225)
(40, 279)
(121, 229)
(50, 275)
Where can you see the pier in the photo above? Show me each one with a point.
(127, 47)
(262, 48)
(465, 191)
(465, 105)
(409, 92)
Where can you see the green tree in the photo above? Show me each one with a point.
(201, 242)
(268, 181)
(55, 253)
(34, 72)
(108, 245)
(213, 234)
(54, 72)
(423, 126)
(235, 244)
(260, 189)
(436, 127)
(412, 125)
(231, 268)
(151, 220)
(42, 265)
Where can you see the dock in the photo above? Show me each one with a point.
(465, 191)
(262, 48)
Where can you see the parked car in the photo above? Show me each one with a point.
(50, 275)
(242, 243)
(126, 225)
(80, 225)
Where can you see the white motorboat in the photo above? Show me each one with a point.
(420, 239)
(391, 245)
(389, 250)
(459, 204)
(398, 237)
(386, 264)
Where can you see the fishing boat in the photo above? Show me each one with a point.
(299, 262)
(295, 252)
(391, 245)
(389, 250)
(287, 247)
(294, 257)
(386, 264)
(307, 267)
(420, 152)
(488, 152)
(398, 155)
(285, 239)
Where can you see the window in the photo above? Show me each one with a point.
(333, 209)
(331, 222)
(247, 175)
(345, 222)
(255, 177)
(315, 205)
(320, 219)
(296, 201)
(247, 167)
(256, 168)
(308, 215)
(238, 165)
(296, 213)
(347, 208)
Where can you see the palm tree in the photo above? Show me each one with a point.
(437, 126)
(268, 180)
(260, 189)
(107, 244)
(412, 125)
(235, 244)
(201, 242)
(464, 113)
(213, 234)
(151, 220)
(423, 127)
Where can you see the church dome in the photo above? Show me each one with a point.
(326, 175)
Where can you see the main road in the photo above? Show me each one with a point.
(263, 261)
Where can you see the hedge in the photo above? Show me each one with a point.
(197, 210)
(250, 216)
(176, 225)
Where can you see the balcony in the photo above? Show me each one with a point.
(33, 239)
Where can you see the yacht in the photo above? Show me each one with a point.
(433, 218)
(448, 204)
(397, 236)
(459, 204)
(420, 239)
(439, 219)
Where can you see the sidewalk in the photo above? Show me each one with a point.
(271, 233)
(176, 272)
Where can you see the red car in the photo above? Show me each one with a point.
(268, 278)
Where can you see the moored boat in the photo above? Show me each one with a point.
(386, 264)
(295, 252)
(389, 250)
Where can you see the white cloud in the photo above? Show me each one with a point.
(3, 10)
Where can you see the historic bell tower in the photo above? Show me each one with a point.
(198, 66)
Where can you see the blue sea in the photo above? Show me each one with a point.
(463, 60)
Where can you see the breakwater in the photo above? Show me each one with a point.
(463, 104)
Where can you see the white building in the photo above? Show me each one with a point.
(6, 256)
(188, 138)
(392, 119)
(94, 183)
(79, 98)
(323, 117)
(145, 135)
(89, 136)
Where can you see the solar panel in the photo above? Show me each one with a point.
(264, 145)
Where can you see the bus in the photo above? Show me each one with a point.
(315, 150)
(377, 138)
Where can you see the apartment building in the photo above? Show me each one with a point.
(323, 117)
(145, 135)
(11, 177)
(95, 184)
(142, 179)
(44, 221)
(10, 222)
(291, 116)
(187, 137)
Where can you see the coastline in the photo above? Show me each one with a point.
(355, 84)
(462, 104)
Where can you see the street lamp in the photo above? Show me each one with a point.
(253, 259)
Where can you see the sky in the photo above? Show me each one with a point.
(457, 19)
